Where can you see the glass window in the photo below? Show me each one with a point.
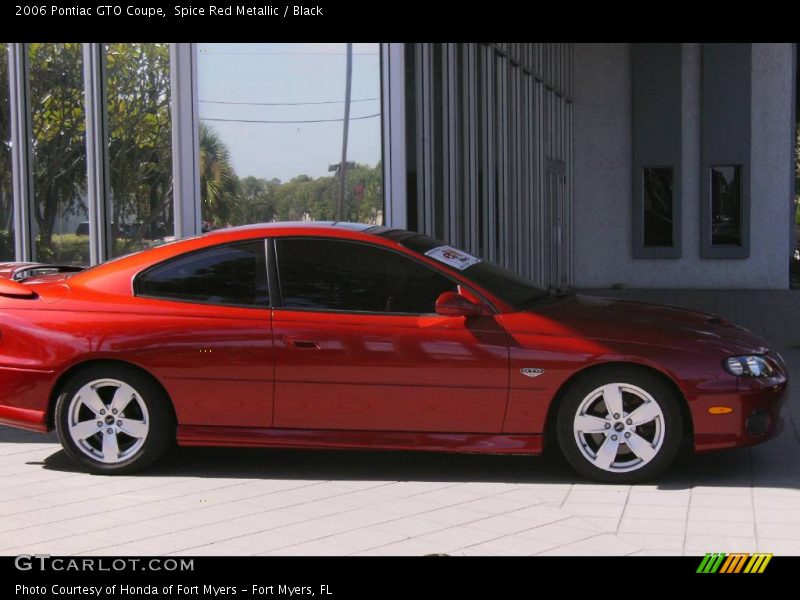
(140, 145)
(319, 274)
(234, 274)
(726, 205)
(658, 206)
(272, 129)
(6, 185)
(61, 221)
(512, 288)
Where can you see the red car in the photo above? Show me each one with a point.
(351, 336)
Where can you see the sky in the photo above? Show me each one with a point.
(299, 82)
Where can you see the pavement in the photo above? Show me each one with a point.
(295, 502)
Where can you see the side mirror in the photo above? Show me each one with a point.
(450, 304)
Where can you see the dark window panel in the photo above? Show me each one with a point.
(726, 205)
(658, 206)
(332, 275)
(234, 274)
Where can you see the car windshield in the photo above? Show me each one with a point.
(501, 282)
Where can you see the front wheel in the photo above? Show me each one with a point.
(619, 425)
(113, 420)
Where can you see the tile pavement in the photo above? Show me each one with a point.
(262, 502)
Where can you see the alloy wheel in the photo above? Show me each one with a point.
(108, 420)
(619, 427)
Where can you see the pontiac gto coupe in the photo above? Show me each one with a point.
(337, 335)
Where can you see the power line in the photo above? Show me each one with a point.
(293, 122)
(287, 103)
(289, 53)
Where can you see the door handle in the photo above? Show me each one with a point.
(302, 344)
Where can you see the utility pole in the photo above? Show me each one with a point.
(345, 131)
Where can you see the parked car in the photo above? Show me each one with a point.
(150, 231)
(354, 336)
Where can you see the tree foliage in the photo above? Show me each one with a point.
(140, 140)
(59, 134)
(219, 185)
(312, 199)
(6, 202)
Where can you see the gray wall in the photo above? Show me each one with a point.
(603, 162)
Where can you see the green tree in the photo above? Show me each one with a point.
(140, 140)
(305, 197)
(219, 184)
(366, 193)
(6, 203)
(59, 134)
(256, 203)
(139, 145)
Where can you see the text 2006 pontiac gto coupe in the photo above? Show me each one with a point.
(332, 335)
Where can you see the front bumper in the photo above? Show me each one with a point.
(755, 418)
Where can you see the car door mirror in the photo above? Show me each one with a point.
(450, 304)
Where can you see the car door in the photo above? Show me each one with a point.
(209, 337)
(358, 345)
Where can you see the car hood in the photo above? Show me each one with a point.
(644, 323)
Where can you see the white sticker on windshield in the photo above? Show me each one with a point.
(458, 259)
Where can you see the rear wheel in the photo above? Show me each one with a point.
(113, 420)
(619, 425)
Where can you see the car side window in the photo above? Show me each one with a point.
(320, 274)
(231, 274)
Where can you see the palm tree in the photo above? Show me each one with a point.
(219, 184)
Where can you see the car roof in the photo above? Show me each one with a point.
(360, 227)
(125, 267)
(116, 276)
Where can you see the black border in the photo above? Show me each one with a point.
(438, 576)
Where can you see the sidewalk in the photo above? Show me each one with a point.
(233, 501)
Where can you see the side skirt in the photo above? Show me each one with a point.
(256, 437)
(23, 418)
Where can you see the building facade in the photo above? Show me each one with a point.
(729, 110)
(587, 165)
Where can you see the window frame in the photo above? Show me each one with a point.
(277, 304)
(265, 241)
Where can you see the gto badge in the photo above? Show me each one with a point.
(531, 372)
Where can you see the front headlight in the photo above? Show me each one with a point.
(749, 366)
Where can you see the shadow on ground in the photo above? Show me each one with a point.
(9, 435)
(733, 468)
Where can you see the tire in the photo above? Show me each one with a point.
(632, 447)
(106, 442)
